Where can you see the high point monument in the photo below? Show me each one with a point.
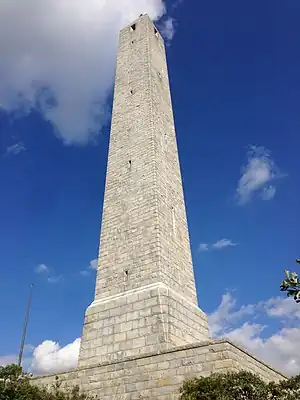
(144, 333)
(145, 296)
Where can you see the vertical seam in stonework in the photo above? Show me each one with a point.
(163, 319)
(155, 176)
(153, 149)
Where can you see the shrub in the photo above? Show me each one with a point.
(239, 386)
(16, 385)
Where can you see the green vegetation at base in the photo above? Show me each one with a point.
(16, 385)
(240, 386)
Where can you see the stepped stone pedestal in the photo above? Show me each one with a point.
(144, 333)
(159, 375)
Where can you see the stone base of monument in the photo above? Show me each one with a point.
(160, 375)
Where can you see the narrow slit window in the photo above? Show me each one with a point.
(155, 32)
(133, 27)
(173, 221)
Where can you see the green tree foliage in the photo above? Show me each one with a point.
(16, 385)
(239, 386)
(291, 284)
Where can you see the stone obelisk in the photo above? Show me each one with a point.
(144, 333)
(145, 298)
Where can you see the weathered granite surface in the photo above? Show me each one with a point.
(160, 375)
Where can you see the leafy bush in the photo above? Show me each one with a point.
(239, 386)
(16, 385)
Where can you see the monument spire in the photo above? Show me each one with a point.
(145, 296)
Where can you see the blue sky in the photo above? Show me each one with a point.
(234, 72)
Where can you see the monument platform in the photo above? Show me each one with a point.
(159, 375)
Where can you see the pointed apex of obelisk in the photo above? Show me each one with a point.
(143, 20)
(141, 17)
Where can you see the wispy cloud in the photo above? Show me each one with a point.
(219, 245)
(15, 149)
(281, 308)
(258, 176)
(42, 269)
(203, 247)
(223, 243)
(54, 279)
(168, 28)
(239, 323)
(93, 266)
(226, 314)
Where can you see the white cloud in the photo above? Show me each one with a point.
(203, 247)
(54, 279)
(168, 28)
(16, 148)
(280, 349)
(281, 308)
(42, 269)
(257, 176)
(221, 320)
(50, 357)
(219, 245)
(223, 243)
(61, 59)
(94, 264)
